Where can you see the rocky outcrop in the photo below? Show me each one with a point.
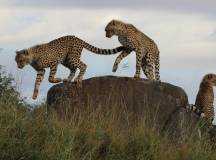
(136, 96)
(180, 124)
(161, 105)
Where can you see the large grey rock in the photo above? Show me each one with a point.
(181, 124)
(140, 98)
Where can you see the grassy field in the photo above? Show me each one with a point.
(32, 134)
(28, 133)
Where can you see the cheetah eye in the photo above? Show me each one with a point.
(21, 61)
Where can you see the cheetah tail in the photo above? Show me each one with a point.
(157, 67)
(197, 111)
(102, 51)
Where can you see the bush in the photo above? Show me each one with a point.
(8, 92)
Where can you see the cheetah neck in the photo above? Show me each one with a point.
(120, 34)
(206, 87)
(31, 56)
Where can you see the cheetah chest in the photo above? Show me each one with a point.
(126, 42)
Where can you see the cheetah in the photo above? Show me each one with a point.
(205, 98)
(65, 50)
(147, 52)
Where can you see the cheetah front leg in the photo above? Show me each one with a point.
(144, 64)
(122, 55)
(39, 78)
(139, 55)
(149, 70)
(52, 78)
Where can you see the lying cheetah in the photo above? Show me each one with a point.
(205, 98)
(64, 50)
(147, 53)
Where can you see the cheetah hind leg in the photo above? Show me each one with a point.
(70, 77)
(149, 72)
(146, 69)
(82, 67)
(72, 72)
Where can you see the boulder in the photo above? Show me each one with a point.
(181, 124)
(140, 98)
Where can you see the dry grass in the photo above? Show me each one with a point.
(88, 135)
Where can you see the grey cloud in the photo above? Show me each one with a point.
(181, 5)
(213, 36)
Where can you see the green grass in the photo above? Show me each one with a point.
(32, 134)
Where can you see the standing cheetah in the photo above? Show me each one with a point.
(147, 52)
(64, 50)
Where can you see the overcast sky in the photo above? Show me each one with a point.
(185, 31)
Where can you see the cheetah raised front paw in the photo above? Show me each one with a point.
(115, 67)
(35, 94)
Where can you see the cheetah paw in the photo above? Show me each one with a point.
(115, 67)
(136, 77)
(34, 96)
(78, 82)
(55, 80)
(65, 80)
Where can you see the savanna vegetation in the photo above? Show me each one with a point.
(30, 133)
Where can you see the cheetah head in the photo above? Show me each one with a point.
(114, 27)
(210, 79)
(22, 58)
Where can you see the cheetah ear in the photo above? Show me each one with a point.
(131, 26)
(25, 52)
(210, 76)
(113, 22)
